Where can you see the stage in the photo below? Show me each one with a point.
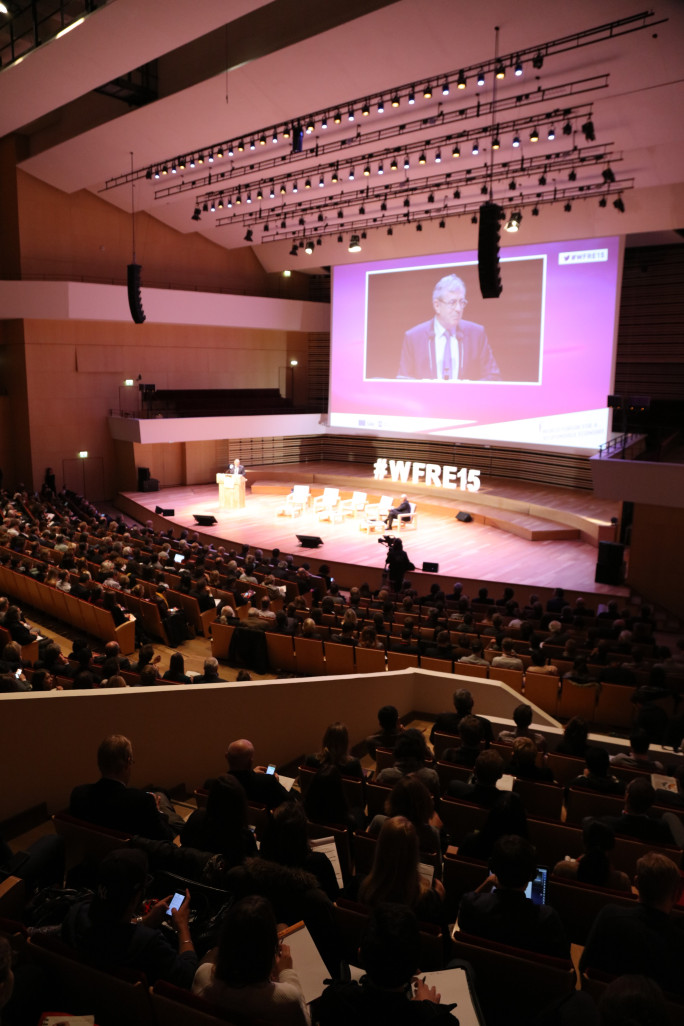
(533, 536)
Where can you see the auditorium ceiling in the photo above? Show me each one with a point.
(128, 102)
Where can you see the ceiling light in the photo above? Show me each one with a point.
(213, 207)
(518, 69)
(262, 140)
(309, 127)
(381, 169)
(457, 193)
(513, 222)
(431, 198)
(603, 202)
(608, 175)
(568, 207)
(394, 165)
(476, 148)
(238, 200)
(535, 211)
(427, 92)
(283, 190)
(219, 153)
(302, 222)
(196, 214)
(572, 177)
(335, 178)
(181, 163)
(461, 83)
(567, 128)
(422, 159)
(365, 110)
(249, 197)
(340, 238)
(307, 183)
(355, 244)
(249, 236)
(445, 88)
(438, 157)
(157, 171)
(512, 185)
(406, 163)
(309, 248)
(320, 216)
(619, 205)
(419, 227)
(496, 142)
(350, 114)
(260, 194)
(542, 179)
(381, 106)
(538, 61)
(534, 135)
(407, 202)
(456, 152)
(442, 223)
(366, 170)
(552, 134)
(480, 82)
(274, 138)
(230, 149)
(395, 100)
(588, 130)
(220, 203)
(272, 192)
(294, 187)
(351, 174)
(321, 182)
(473, 219)
(205, 208)
(390, 231)
(165, 170)
(411, 96)
(500, 71)
(338, 118)
(383, 206)
(516, 141)
(340, 214)
(319, 241)
(241, 146)
(484, 190)
(294, 251)
(324, 122)
(283, 223)
(362, 210)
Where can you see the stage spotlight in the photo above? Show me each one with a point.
(427, 92)
(542, 179)
(535, 211)
(196, 214)
(456, 152)
(445, 87)
(603, 202)
(422, 159)
(249, 237)
(365, 110)
(513, 223)
(518, 70)
(419, 227)
(551, 134)
(619, 205)
(567, 128)
(588, 130)
(608, 175)
(294, 251)
(390, 230)
(572, 176)
(354, 244)
(461, 83)
(480, 78)
(516, 141)
(500, 71)
(442, 223)
(309, 248)
(534, 135)
(411, 96)
(568, 207)
(476, 148)
(473, 219)
(538, 61)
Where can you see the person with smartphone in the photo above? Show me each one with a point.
(108, 929)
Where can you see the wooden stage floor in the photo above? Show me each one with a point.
(470, 551)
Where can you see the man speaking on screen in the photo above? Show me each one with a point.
(447, 348)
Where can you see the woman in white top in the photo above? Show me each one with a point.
(251, 973)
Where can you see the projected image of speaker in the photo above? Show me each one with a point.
(465, 518)
(205, 519)
(164, 512)
(430, 568)
(309, 541)
(610, 563)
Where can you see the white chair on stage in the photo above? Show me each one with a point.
(376, 513)
(296, 501)
(408, 519)
(357, 504)
(326, 504)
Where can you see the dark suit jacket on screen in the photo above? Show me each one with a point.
(419, 355)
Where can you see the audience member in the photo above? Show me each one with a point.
(260, 787)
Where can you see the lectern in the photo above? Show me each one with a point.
(231, 491)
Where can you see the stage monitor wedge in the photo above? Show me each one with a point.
(430, 568)
(464, 517)
(309, 541)
(164, 512)
(205, 519)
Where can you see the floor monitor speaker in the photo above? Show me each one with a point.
(205, 519)
(164, 512)
(465, 518)
(431, 568)
(309, 541)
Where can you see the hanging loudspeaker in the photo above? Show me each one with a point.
(134, 298)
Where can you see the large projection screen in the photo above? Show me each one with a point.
(534, 367)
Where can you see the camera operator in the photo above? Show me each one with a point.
(397, 563)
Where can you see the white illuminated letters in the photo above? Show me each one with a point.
(401, 471)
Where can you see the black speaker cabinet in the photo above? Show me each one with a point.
(309, 541)
(205, 519)
(143, 475)
(151, 485)
(609, 565)
(430, 568)
(134, 297)
(465, 518)
(164, 512)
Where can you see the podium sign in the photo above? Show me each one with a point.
(231, 491)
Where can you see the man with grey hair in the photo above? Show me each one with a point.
(446, 347)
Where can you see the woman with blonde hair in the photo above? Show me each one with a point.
(395, 876)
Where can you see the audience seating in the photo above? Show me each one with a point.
(564, 767)
(114, 997)
(84, 841)
(351, 918)
(309, 657)
(578, 904)
(401, 660)
(376, 796)
(370, 660)
(513, 678)
(540, 799)
(470, 670)
(221, 635)
(339, 659)
(542, 690)
(576, 700)
(460, 875)
(12, 897)
(460, 818)
(281, 655)
(448, 771)
(174, 1006)
(440, 665)
(357, 504)
(513, 985)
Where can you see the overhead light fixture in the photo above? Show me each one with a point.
(567, 128)
(381, 106)
(457, 193)
(307, 183)
(572, 176)
(249, 236)
(309, 248)
(407, 163)
(340, 238)
(513, 222)
(196, 214)
(603, 202)
(354, 244)
(294, 251)
(476, 148)
(219, 152)
(619, 205)
(395, 100)
(390, 230)
(407, 202)
(260, 194)
(309, 127)
(320, 215)
(496, 142)
(69, 28)
(205, 208)
(480, 79)
(516, 141)
(271, 192)
(248, 197)
(411, 96)
(607, 175)
(381, 169)
(324, 122)
(500, 71)
(321, 182)
(213, 207)
(295, 187)
(538, 61)
(461, 83)
(427, 92)
(518, 69)
(445, 87)
(350, 114)
(568, 207)
(552, 134)
(287, 273)
(252, 144)
(335, 178)
(456, 152)
(365, 110)
(431, 198)
(362, 210)
(366, 170)
(262, 139)
(512, 185)
(283, 190)
(484, 189)
(535, 211)
(274, 137)
(351, 174)
(302, 222)
(419, 227)
(473, 219)
(422, 159)
(442, 223)
(542, 179)
(337, 118)
(394, 165)
(534, 135)
(588, 130)
(241, 145)
(438, 157)
(383, 206)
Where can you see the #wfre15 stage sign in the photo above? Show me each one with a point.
(427, 473)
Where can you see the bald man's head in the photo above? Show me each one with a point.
(240, 755)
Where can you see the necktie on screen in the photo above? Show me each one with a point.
(446, 362)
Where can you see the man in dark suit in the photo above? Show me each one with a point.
(447, 723)
(402, 508)
(643, 939)
(260, 787)
(112, 803)
(481, 789)
(447, 347)
(236, 467)
(636, 821)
